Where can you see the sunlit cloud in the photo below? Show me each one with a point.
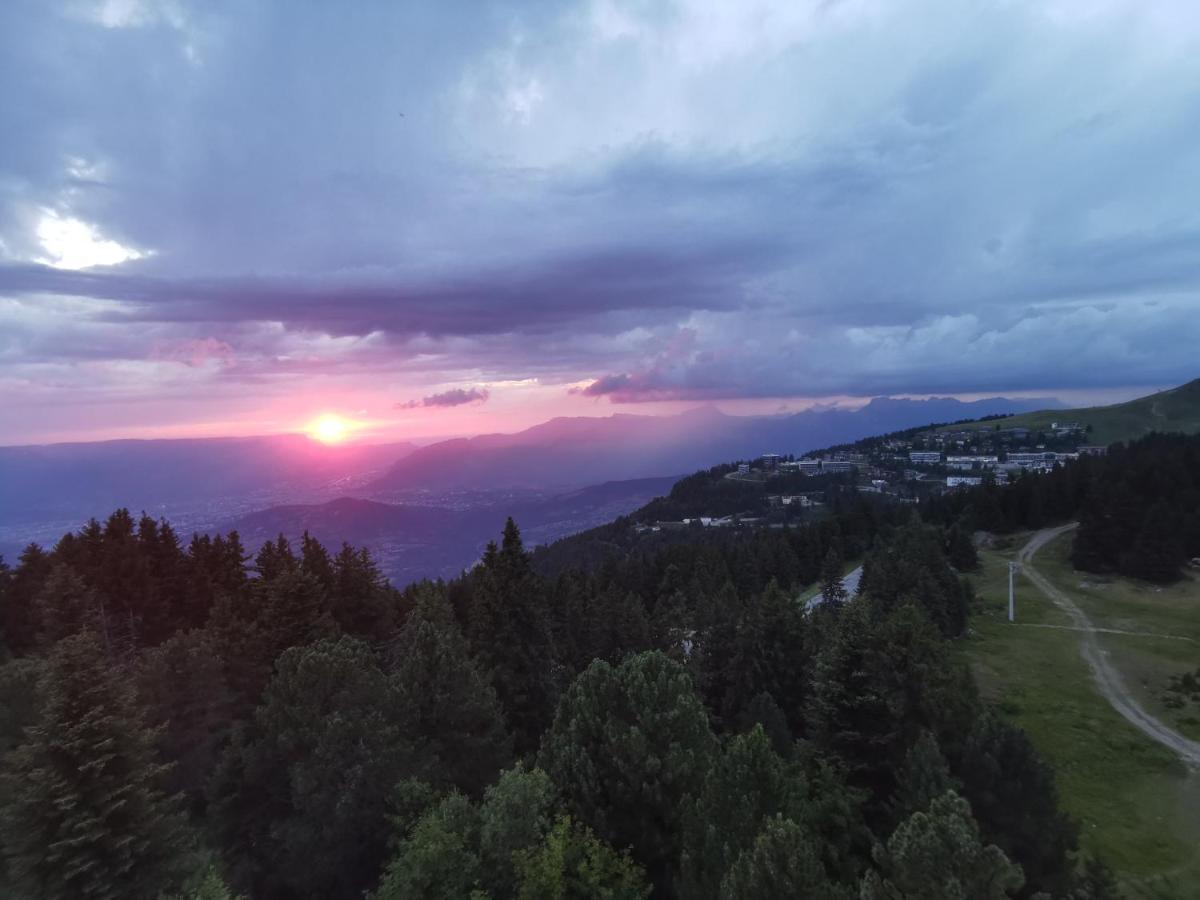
(71, 243)
(581, 206)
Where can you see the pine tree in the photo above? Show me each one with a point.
(1156, 554)
(571, 620)
(831, 812)
(516, 814)
(214, 566)
(439, 859)
(182, 685)
(938, 855)
(1013, 794)
(833, 590)
(763, 712)
(1090, 551)
(627, 745)
(291, 610)
(275, 559)
(84, 815)
(5, 581)
(65, 605)
(19, 700)
(618, 625)
(117, 567)
(715, 646)
(160, 588)
(876, 685)
(769, 655)
(912, 567)
(206, 884)
(300, 796)
(20, 606)
(960, 549)
(747, 783)
(454, 845)
(924, 777)
(448, 708)
(362, 602)
(573, 864)
(510, 634)
(181, 603)
(671, 625)
(254, 626)
(315, 562)
(784, 861)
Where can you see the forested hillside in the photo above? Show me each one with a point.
(1138, 507)
(184, 721)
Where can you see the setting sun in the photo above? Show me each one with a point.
(328, 429)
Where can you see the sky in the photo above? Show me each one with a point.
(433, 219)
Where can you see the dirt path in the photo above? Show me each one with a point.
(1108, 679)
(1149, 634)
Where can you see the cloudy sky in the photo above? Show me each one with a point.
(434, 218)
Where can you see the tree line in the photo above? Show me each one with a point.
(1138, 506)
(187, 721)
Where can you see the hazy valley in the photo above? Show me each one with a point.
(418, 519)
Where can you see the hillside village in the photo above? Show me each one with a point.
(903, 467)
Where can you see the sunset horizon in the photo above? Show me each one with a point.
(579, 449)
(402, 218)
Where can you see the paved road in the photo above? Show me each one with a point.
(1108, 679)
(850, 583)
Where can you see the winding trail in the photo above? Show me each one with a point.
(1107, 678)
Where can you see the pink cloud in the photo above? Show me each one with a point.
(194, 353)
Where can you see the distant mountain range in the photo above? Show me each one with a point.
(565, 474)
(571, 452)
(428, 511)
(412, 542)
(1176, 409)
(86, 479)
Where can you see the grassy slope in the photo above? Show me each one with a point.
(1146, 662)
(1177, 409)
(1138, 806)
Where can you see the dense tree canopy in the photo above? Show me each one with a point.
(1138, 506)
(207, 725)
(298, 792)
(84, 812)
(628, 744)
(938, 855)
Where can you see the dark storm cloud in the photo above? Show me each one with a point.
(605, 386)
(685, 200)
(533, 296)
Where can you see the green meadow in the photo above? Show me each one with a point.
(1137, 805)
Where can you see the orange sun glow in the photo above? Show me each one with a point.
(328, 429)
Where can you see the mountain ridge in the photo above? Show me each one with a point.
(1171, 409)
(566, 452)
(78, 480)
(423, 541)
